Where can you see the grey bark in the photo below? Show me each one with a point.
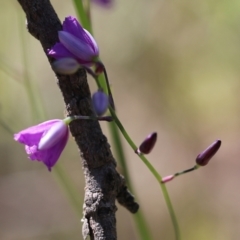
(103, 183)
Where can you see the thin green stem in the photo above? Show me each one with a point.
(186, 171)
(117, 144)
(154, 172)
(6, 127)
(109, 88)
(36, 109)
(10, 71)
(142, 226)
(90, 71)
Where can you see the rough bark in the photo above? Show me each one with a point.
(103, 183)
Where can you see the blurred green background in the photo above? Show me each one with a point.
(174, 68)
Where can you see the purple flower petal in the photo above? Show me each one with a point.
(71, 25)
(31, 136)
(52, 135)
(52, 156)
(49, 156)
(58, 51)
(75, 42)
(91, 41)
(75, 46)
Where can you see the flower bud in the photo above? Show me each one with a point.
(100, 102)
(148, 144)
(66, 66)
(204, 157)
(167, 178)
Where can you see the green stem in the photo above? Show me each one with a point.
(186, 171)
(102, 82)
(142, 226)
(90, 71)
(36, 109)
(6, 127)
(154, 172)
(111, 101)
(117, 143)
(10, 71)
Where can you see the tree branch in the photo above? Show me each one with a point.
(103, 183)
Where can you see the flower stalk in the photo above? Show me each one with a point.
(202, 160)
(154, 172)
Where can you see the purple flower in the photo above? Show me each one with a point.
(75, 42)
(45, 142)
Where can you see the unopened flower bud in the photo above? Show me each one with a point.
(100, 102)
(148, 144)
(204, 157)
(66, 66)
(167, 178)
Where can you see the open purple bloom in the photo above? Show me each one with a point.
(75, 42)
(44, 142)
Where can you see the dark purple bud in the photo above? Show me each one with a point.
(100, 102)
(204, 157)
(148, 144)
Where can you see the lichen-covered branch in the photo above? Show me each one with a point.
(103, 183)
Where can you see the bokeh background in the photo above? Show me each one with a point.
(174, 68)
